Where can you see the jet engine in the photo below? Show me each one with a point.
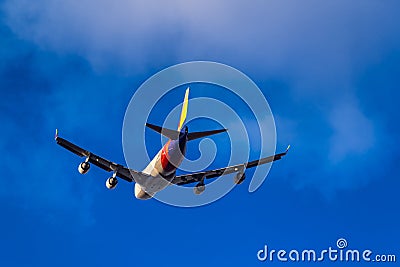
(111, 183)
(199, 188)
(84, 167)
(239, 178)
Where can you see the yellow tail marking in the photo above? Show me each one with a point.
(184, 110)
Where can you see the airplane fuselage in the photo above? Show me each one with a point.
(162, 169)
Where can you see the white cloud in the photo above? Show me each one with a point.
(300, 37)
(353, 132)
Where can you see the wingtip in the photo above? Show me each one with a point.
(56, 135)
(287, 149)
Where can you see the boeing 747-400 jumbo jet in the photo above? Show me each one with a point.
(161, 171)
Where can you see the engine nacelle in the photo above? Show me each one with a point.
(239, 178)
(84, 167)
(199, 188)
(111, 182)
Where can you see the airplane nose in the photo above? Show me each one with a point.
(140, 193)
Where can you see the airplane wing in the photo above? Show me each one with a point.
(119, 170)
(200, 176)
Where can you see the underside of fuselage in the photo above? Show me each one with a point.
(163, 167)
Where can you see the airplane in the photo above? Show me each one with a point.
(161, 172)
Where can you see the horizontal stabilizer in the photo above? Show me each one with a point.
(196, 135)
(171, 134)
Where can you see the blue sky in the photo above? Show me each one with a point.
(330, 71)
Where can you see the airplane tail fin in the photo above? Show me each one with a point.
(172, 134)
(184, 110)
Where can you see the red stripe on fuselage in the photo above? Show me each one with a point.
(171, 156)
(165, 156)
